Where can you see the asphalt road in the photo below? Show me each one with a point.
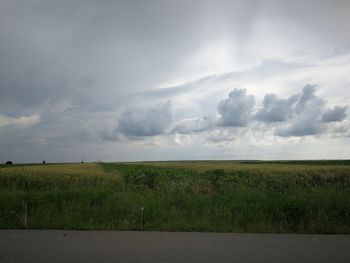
(119, 246)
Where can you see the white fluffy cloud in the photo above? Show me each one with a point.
(305, 122)
(237, 109)
(336, 114)
(275, 109)
(308, 115)
(301, 114)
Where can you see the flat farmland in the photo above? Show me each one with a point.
(210, 196)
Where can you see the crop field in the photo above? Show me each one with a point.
(220, 196)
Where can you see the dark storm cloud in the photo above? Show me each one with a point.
(146, 122)
(237, 109)
(338, 113)
(47, 47)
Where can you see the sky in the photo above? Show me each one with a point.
(174, 80)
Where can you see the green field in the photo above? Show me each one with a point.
(222, 196)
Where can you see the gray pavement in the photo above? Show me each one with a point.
(124, 246)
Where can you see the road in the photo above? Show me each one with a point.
(124, 246)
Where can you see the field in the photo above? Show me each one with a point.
(220, 196)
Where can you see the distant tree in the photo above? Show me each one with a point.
(44, 162)
(9, 163)
(82, 162)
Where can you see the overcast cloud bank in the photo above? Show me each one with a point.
(146, 122)
(88, 78)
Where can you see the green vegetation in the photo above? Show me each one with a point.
(281, 197)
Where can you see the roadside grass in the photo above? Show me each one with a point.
(221, 196)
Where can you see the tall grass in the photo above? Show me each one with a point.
(188, 196)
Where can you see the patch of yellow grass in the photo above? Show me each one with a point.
(260, 167)
(60, 174)
(55, 169)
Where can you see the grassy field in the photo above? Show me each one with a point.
(280, 197)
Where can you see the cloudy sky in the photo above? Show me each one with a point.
(169, 80)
